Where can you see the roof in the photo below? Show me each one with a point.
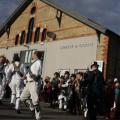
(9, 11)
(9, 14)
(68, 9)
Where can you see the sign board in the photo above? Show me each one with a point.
(71, 53)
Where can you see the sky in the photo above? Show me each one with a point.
(7, 7)
(103, 12)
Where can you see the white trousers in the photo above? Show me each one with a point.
(31, 90)
(62, 101)
(2, 88)
(16, 88)
(2, 91)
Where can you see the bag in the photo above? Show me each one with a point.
(112, 114)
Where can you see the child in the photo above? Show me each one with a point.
(47, 89)
(62, 97)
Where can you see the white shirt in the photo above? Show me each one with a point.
(6, 68)
(66, 84)
(35, 69)
(16, 76)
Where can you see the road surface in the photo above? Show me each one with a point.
(6, 113)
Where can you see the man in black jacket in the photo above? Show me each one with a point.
(95, 92)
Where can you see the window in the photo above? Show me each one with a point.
(22, 39)
(26, 56)
(37, 35)
(17, 40)
(44, 35)
(33, 10)
(30, 30)
(22, 56)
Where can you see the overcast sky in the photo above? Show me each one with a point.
(7, 7)
(104, 12)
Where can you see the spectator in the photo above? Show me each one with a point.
(71, 94)
(95, 92)
(55, 90)
(77, 84)
(63, 92)
(109, 94)
(47, 89)
(117, 99)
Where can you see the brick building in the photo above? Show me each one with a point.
(68, 40)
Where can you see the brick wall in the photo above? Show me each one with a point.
(46, 16)
(102, 51)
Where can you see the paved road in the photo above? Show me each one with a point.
(47, 113)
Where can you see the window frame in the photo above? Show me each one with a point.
(37, 35)
(17, 39)
(30, 30)
(22, 37)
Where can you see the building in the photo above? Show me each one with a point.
(68, 41)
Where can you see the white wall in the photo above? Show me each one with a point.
(76, 53)
(10, 51)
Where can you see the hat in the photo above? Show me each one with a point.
(95, 64)
(73, 75)
(16, 58)
(67, 72)
(116, 80)
(57, 74)
(62, 77)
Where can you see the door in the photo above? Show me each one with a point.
(26, 57)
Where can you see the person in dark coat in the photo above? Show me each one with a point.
(95, 92)
(117, 99)
(55, 90)
(110, 96)
(71, 95)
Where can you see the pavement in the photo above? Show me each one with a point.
(6, 113)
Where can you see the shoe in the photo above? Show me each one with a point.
(106, 118)
(18, 111)
(38, 119)
(64, 110)
(33, 113)
(1, 102)
(12, 105)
